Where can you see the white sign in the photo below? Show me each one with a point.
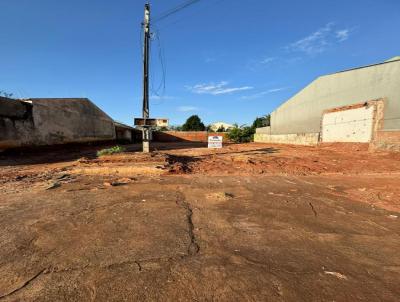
(215, 142)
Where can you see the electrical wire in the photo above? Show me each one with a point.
(168, 25)
(162, 86)
(174, 10)
(161, 57)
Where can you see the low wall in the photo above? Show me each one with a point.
(386, 140)
(292, 139)
(184, 136)
(39, 122)
(355, 123)
(16, 123)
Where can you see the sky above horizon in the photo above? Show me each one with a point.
(224, 60)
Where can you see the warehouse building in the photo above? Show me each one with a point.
(360, 105)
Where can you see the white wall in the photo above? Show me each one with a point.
(353, 125)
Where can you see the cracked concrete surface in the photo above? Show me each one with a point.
(164, 240)
(193, 247)
(201, 238)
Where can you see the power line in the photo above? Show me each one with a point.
(156, 91)
(161, 58)
(174, 10)
(215, 2)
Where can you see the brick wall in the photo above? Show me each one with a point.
(386, 140)
(184, 136)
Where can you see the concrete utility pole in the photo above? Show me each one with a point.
(146, 111)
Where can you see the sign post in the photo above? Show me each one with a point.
(215, 141)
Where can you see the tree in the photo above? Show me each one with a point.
(193, 123)
(241, 134)
(263, 121)
(221, 129)
(245, 134)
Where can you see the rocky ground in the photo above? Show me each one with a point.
(245, 223)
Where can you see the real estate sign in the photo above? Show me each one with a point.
(215, 141)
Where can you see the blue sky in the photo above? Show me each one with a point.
(225, 60)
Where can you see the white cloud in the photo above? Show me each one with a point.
(320, 40)
(342, 35)
(187, 108)
(216, 88)
(162, 97)
(315, 42)
(268, 60)
(263, 93)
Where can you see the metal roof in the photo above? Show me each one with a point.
(392, 60)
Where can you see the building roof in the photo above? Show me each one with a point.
(221, 123)
(122, 125)
(394, 59)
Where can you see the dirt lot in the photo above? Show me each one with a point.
(248, 222)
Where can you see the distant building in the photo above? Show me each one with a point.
(356, 105)
(218, 125)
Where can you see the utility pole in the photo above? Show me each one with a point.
(145, 123)
(146, 111)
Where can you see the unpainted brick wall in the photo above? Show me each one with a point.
(184, 136)
(386, 140)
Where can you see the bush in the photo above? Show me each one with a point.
(245, 134)
(109, 151)
(242, 134)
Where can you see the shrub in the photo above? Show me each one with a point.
(109, 151)
(242, 134)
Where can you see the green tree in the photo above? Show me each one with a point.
(193, 123)
(241, 134)
(263, 121)
(245, 134)
(221, 129)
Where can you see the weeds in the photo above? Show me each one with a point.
(109, 151)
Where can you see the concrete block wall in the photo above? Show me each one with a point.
(59, 121)
(38, 122)
(292, 139)
(16, 123)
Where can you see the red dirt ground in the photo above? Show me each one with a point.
(251, 222)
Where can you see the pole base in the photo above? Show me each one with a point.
(146, 147)
(147, 137)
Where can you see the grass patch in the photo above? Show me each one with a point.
(109, 151)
